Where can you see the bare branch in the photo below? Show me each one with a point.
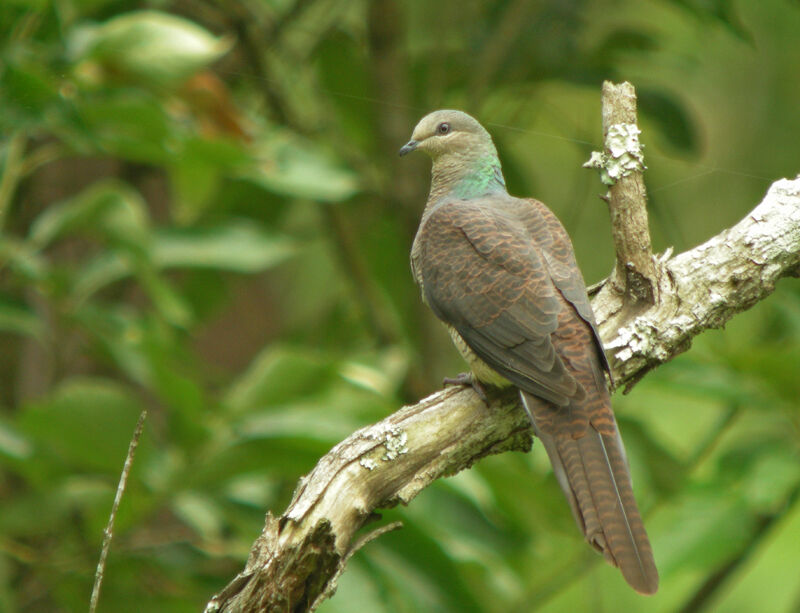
(108, 533)
(296, 556)
(621, 165)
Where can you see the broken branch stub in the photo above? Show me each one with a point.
(621, 166)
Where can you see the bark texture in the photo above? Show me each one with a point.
(634, 273)
(296, 561)
(633, 285)
(704, 287)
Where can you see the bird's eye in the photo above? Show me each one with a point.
(443, 128)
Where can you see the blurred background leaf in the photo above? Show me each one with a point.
(202, 213)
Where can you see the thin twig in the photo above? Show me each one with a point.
(363, 540)
(279, 25)
(108, 533)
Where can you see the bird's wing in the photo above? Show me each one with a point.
(559, 256)
(482, 273)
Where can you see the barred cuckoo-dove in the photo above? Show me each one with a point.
(500, 272)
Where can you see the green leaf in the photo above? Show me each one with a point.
(237, 247)
(12, 443)
(122, 334)
(279, 375)
(255, 489)
(418, 575)
(19, 320)
(722, 11)
(343, 70)
(357, 590)
(22, 258)
(149, 48)
(624, 40)
(132, 125)
(768, 579)
(109, 208)
(298, 421)
(28, 93)
(198, 172)
(200, 512)
(772, 476)
(26, 514)
(293, 167)
(166, 299)
(99, 272)
(83, 424)
(31, 5)
(707, 527)
(380, 372)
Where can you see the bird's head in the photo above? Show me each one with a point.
(449, 132)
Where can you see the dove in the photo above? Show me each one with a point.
(501, 274)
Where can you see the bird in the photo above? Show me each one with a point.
(501, 273)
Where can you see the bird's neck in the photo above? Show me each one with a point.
(459, 177)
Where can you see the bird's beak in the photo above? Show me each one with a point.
(408, 147)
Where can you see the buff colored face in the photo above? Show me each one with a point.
(445, 131)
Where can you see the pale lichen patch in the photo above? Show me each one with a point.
(393, 439)
(396, 444)
(368, 463)
(624, 154)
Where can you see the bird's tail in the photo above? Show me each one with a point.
(593, 473)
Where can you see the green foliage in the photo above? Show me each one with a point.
(148, 48)
(202, 213)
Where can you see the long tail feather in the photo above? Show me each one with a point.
(593, 473)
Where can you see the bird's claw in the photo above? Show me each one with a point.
(467, 379)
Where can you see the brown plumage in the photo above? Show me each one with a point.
(500, 272)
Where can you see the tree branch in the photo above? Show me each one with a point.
(704, 287)
(634, 281)
(298, 555)
(634, 272)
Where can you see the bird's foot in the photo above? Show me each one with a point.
(467, 379)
